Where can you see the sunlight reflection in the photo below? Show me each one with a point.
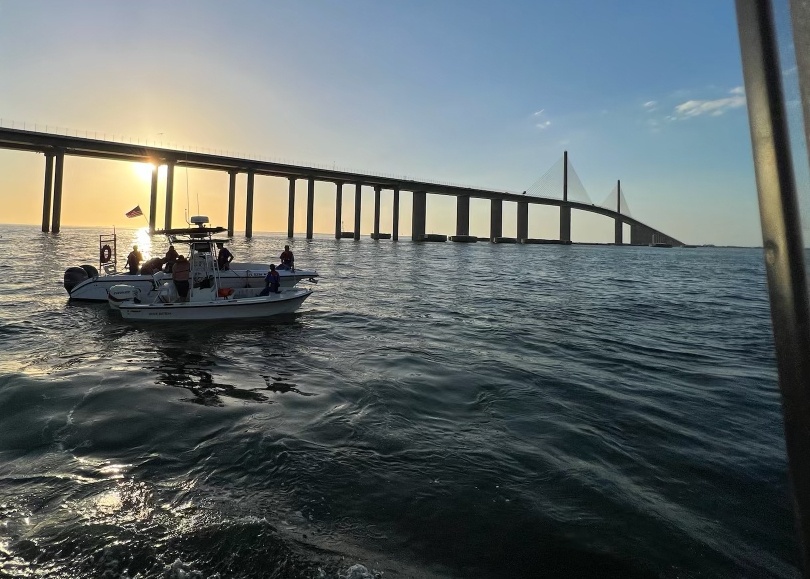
(144, 171)
(143, 241)
(113, 470)
(109, 501)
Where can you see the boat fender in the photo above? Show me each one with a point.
(106, 254)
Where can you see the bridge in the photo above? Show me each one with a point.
(55, 147)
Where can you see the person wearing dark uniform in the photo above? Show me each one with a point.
(271, 282)
(151, 266)
(287, 259)
(170, 259)
(224, 258)
(134, 259)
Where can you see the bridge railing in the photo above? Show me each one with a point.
(161, 144)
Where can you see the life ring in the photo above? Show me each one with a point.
(106, 254)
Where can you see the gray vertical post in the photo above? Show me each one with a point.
(418, 220)
(57, 192)
(565, 223)
(231, 200)
(496, 219)
(357, 205)
(47, 193)
(153, 191)
(291, 208)
(781, 220)
(522, 220)
(395, 230)
(169, 193)
(338, 209)
(249, 205)
(310, 205)
(565, 175)
(376, 212)
(565, 209)
(618, 224)
(463, 215)
(640, 235)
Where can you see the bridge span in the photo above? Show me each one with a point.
(56, 147)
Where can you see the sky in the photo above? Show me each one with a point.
(480, 93)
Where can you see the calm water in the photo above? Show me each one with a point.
(434, 410)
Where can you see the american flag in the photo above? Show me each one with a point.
(135, 212)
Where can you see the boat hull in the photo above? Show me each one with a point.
(97, 288)
(285, 302)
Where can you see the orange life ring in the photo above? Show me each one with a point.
(106, 254)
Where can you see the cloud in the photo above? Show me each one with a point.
(650, 105)
(715, 108)
(540, 120)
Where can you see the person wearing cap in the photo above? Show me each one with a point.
(224, 258)
(134, 259)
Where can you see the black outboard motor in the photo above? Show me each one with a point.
(91, 271)
(74, 276)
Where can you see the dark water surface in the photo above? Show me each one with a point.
(433, 410)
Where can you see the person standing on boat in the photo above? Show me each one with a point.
(287, 259)
(134, 259)
(224, 258)
(271, 282)
(180, 275)
(170, 259)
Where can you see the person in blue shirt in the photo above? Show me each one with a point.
(271, 282)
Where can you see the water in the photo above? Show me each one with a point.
(434, 410)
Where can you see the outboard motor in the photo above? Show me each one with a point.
(120, 293)
(74, 276)
(91, 271)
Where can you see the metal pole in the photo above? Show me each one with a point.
(782, 243)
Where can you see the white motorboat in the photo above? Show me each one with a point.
(87, 284)
(207, 298)
(210, 303)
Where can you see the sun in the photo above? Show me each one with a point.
(143, 170)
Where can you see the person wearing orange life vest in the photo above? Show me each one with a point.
(287, 259)
(181, 272)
